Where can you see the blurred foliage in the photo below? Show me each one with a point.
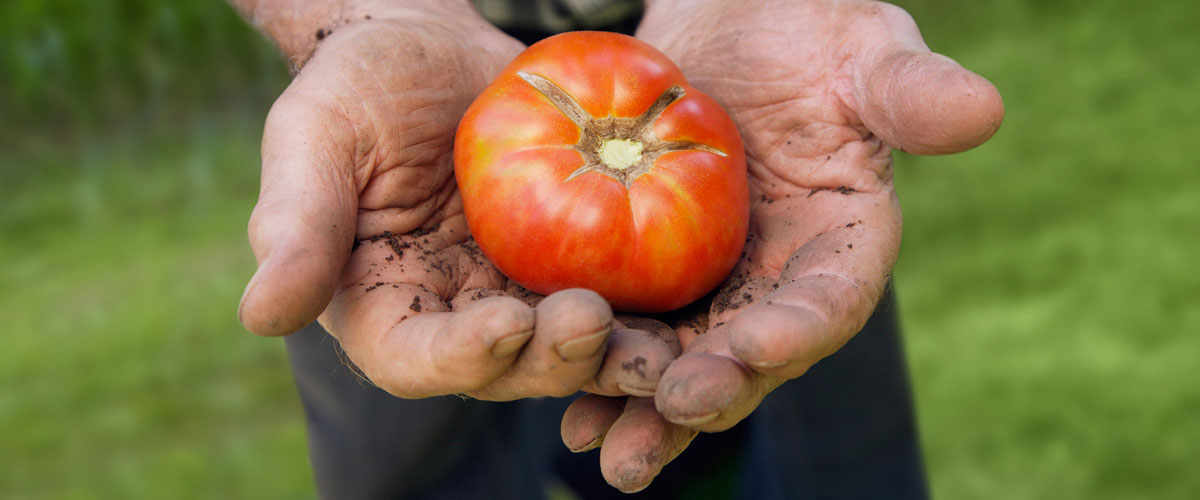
(1048, 279)
(128, 166)
(70, 68)
(1046, 282)
(124, 372)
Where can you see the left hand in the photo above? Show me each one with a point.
(822, 91)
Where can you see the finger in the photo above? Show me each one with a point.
(707, 388)
(827, 291)
(779, 340)
(302, 228)
(639, 444)
(635, 360)
(430, 352)
(588, 419)
(568, 345)
(916, 100)
(656, 328)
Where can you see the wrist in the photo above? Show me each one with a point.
(297, 27)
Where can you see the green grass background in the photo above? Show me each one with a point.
(1047, 281)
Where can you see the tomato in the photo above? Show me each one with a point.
(590, 162)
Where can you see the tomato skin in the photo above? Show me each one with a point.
(652, 242)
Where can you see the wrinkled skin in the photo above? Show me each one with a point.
(360, 144)
(821, 91)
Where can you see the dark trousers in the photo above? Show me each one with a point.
(844, 430)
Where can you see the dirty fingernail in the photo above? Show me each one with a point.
(583, 347)
(695, 420)
(509, 345)
(634, 391)
(767, 365)
(590, 446)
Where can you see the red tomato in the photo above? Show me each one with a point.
(590, 162)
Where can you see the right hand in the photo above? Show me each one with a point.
(359, 221)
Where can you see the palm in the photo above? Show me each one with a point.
(386, 105)
(402, 89)
(814, 166)
(820, 180)
(824, 220)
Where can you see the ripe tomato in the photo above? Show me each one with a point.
(590, 162)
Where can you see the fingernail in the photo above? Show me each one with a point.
(767, 365)
(590, 446)
(241, 310)
(509, 345)
(633, 391)
(241, 314)
(263, 325)
(583, 347)
(697, 420)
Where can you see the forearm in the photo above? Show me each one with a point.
(297, 26)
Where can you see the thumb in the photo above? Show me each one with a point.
(916, 100)
(302, 228)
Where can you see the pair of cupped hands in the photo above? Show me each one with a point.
(359, 222)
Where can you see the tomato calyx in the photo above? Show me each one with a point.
(621, 148)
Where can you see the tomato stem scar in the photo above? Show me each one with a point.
(620, 153)
(621, 148)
